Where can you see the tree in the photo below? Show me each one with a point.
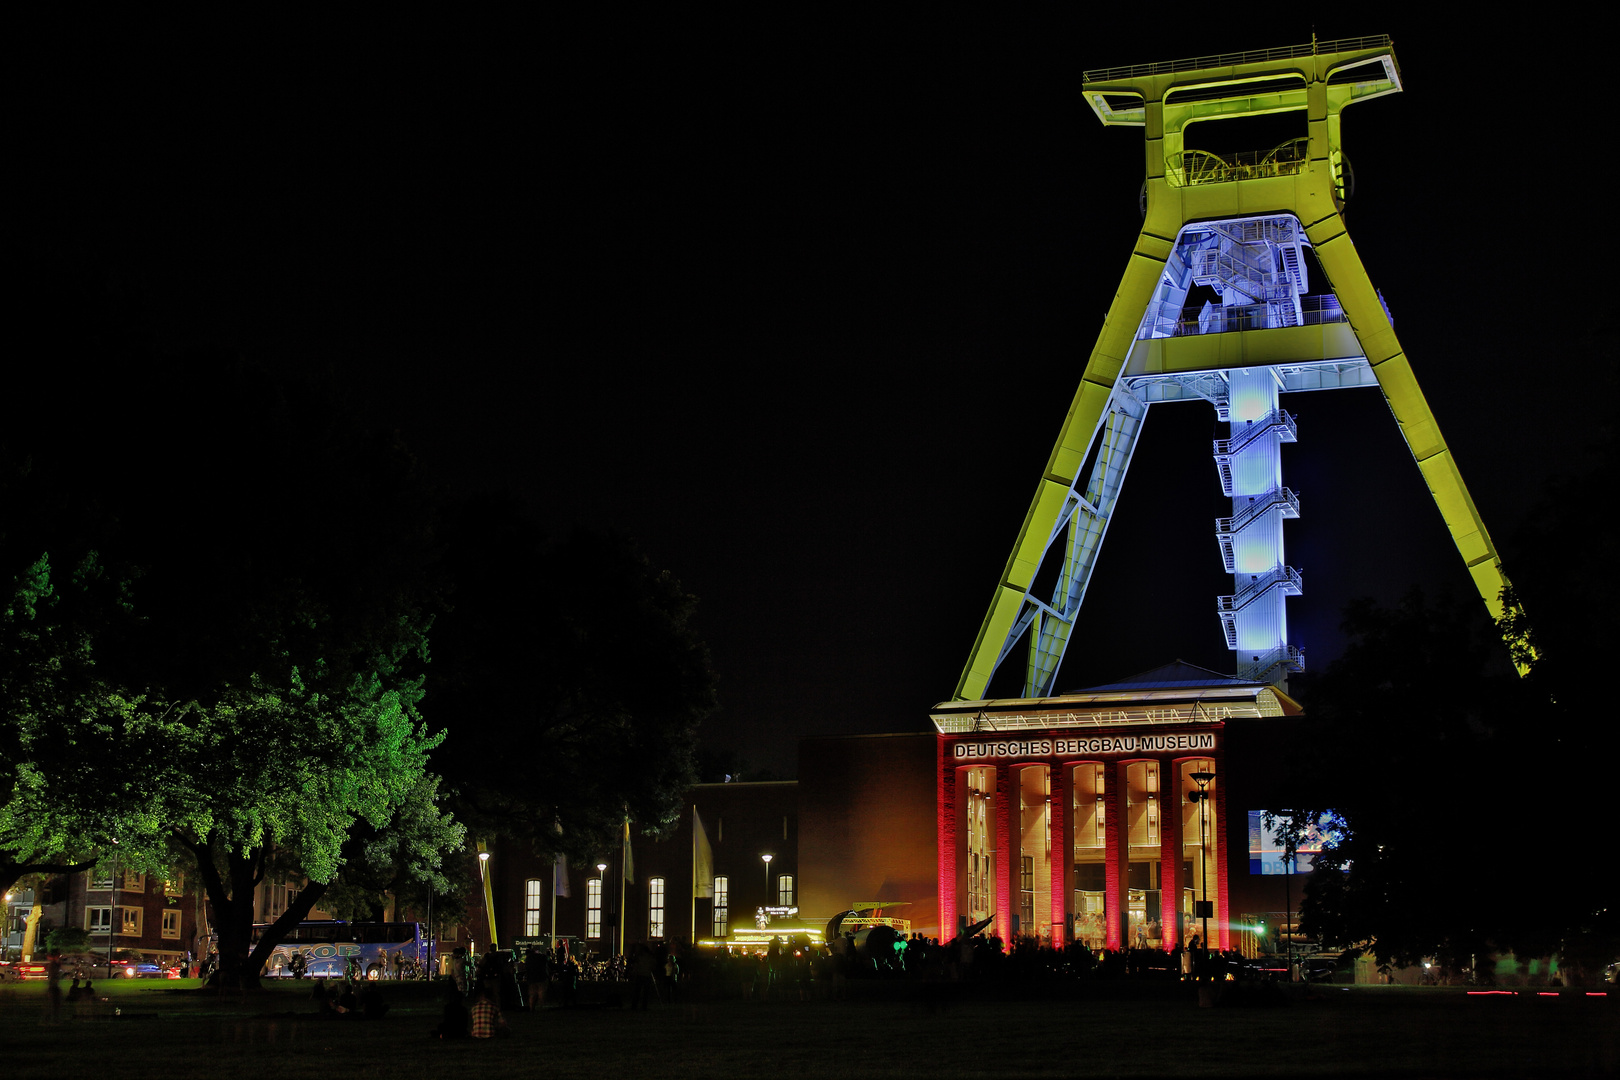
(614, 682)
(1425, 741)
(245, 691)
(288, 732)
(60, 795)
(262, 707)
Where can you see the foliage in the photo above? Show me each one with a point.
(1441, 761)
(291, 734)
(67, 939)
(262, 707)
(1426, 684)
(614, 683)
(60, 792)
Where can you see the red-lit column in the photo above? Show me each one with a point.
(1170, 883)
(946, 811)
(1006, 867)
(1218, 842)
(1059, 862)
(1116, 851)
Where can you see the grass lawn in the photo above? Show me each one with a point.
(175, 1030)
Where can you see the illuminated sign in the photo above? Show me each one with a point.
(1094, 745)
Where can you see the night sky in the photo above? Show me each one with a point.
(801, 304)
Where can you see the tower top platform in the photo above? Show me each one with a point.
(1364, 67)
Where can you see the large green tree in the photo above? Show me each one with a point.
(262, 707)
(285, 652)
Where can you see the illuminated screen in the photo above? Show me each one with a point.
(1266, 854)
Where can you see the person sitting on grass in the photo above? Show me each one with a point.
(453, 1023)
(487, 1020)
(322, 1000)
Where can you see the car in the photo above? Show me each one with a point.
(23, 971)
(1266, 968)
(1321, 967)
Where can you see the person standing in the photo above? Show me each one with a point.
(53, 985)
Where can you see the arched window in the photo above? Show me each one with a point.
(655, 907)
(531, 908)
(722, 907)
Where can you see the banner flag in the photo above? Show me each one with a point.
(559, 877)
(702, 861)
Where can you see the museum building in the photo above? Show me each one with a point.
(1099, 816)
(1081, 816)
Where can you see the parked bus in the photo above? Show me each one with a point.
(330, 946)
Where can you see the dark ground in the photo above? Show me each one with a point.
(885, 1030)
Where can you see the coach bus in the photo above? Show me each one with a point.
(330, 946)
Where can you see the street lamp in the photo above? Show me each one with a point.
(767, 859)
(1202, 779)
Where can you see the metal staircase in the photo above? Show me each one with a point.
(1284, 578)
(1227, 449)
(1227, 528)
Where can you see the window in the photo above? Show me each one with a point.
(531, 908)
(722, 907)
(130, 923)
(784, 891)
(174, 884)
(1026, 894)
(134, 882)
(98, 920)
(593, 908)
(655, 907)
(171, 924)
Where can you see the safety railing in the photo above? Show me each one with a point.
(1289, 579)
(1250, 56)
(1228, 526)
(1316, 310)
(1194, 167)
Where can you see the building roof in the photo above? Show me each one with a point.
(1176, 693)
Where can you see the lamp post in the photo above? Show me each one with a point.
(767, 859)
(489, 895)
(1202, 779)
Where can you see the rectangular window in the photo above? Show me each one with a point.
(174, 884)
(655, 907)
(1026, 894)
(784, 891)
(130, 922)
(593, 908)
(171, 925)
(98, 920)
(134, 882)
(531, 907)
(722, 907)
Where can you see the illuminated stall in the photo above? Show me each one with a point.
(1097, 817)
